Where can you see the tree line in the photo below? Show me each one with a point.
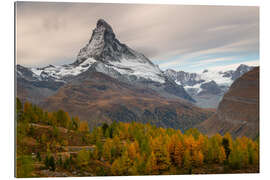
(137, 148)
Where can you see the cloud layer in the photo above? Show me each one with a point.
(173, 36)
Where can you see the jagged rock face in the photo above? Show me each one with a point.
(238, 112)
(102, 39)
(103, 46)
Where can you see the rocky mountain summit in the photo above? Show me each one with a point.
(103, 46)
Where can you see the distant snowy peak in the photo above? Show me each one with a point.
(220, 77)
(242, 69)
(211, 81)
(183, 78)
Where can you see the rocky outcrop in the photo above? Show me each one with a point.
(238, 112)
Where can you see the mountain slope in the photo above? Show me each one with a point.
(97, 98)
(238, 112)
(30, 88)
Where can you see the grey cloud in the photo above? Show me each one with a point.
(53, 32)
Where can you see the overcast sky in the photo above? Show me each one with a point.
(190, 38)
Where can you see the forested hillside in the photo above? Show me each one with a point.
(55, 144)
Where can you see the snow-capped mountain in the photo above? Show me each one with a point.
(208, 86)
(105, 50)
(106, 54)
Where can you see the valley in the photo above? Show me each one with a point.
(112, 111)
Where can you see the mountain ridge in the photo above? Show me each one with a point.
(208, 87)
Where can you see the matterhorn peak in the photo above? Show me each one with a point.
(101, 23)
(101, 36)
(104, 47)
(110, 55)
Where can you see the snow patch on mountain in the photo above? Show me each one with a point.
(216, 76)
(197, 88)
(59, 72)
(138, 68)
(178, 82)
